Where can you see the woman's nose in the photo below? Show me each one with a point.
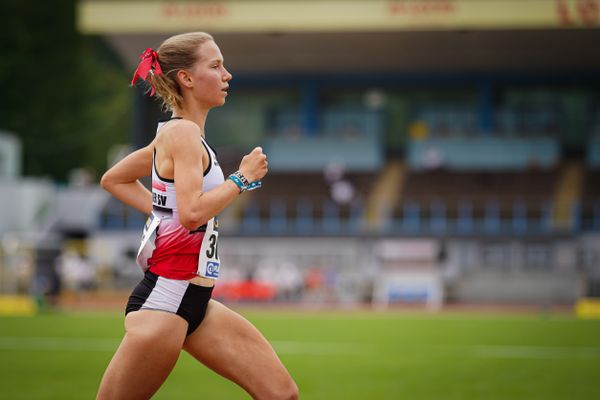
(227, 77)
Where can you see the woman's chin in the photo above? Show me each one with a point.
(216, 104)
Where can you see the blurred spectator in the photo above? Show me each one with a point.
(342, 192)
(334, 171)
(76, 271)
(289, 281)
(314, 284)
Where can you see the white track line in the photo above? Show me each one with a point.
(319, 348)
(536, 352)
(104, 344)
(57, 343)
(308, 348)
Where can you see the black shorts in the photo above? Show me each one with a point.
(179, 297)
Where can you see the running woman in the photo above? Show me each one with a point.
(171, 308)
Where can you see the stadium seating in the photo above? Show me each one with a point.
(303, 203)
(469, 199)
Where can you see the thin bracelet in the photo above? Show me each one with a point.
(242, 183)
(235, 179)
(241, 177)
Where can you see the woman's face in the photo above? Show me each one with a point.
(209, 77)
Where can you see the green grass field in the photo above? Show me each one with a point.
(332, 355)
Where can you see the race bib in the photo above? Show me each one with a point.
(148, 243)
(208, 259)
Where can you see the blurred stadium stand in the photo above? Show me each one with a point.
(476, 144)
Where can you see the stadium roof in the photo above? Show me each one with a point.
(312, 36)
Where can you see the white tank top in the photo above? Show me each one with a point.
(163, 189)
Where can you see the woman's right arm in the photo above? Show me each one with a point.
(195, 206)
(122, 179)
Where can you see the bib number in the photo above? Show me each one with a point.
(208, 258)
(148, 243)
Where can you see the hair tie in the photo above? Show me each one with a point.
(149, 60)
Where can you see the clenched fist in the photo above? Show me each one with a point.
(254, 165)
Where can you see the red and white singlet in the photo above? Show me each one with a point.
(176, 255)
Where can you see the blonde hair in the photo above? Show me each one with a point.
(174, 54)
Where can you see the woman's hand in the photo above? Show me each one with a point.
(254, 165)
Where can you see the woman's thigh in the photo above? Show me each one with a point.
(145, 357)
(230, 345)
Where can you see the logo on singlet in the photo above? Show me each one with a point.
(159, 199)
(212, 269)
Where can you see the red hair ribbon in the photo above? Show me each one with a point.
(149, 60)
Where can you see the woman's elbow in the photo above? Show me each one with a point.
(107, 182)
(192, 222)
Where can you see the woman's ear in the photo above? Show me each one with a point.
(184, 78)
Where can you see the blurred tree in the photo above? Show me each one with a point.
(106, 115)
(65, 95)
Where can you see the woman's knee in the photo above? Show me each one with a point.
(284, 390)
(291, 392)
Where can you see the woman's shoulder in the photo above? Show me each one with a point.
(181, 126)
(181, 130)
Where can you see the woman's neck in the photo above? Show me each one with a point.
(197, 116)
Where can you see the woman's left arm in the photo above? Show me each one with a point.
(122, 179)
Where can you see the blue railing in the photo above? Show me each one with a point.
(419, 219)
(491, 222)
(416, 219)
